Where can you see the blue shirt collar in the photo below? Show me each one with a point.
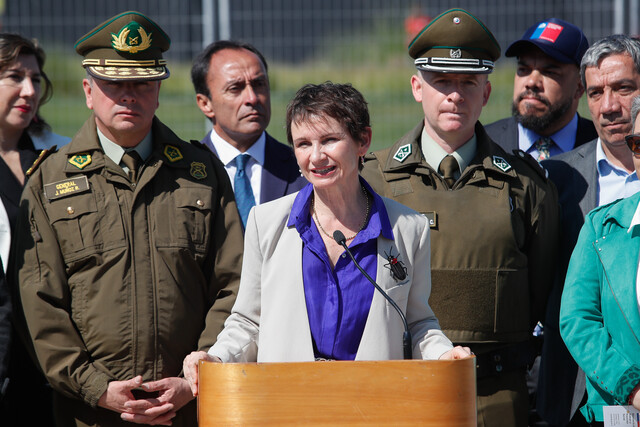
(605, 167)
(379, 223)
(565, 138)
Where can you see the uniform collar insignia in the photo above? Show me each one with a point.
(172, 153)
(81, 160)
(402, 153)
(501, 164)
(131, 38)
(198, 170)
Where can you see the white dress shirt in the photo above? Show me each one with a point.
(227, 154)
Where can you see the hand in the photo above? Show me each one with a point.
(456, 352)
(636, 399)
(190, 368)
(119, 393)
(173, 394)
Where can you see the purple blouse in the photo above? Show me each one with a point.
(338, 300)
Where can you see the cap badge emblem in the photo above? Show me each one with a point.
(132, 38)
(501, 164)
(402, 153)
(456, 20)
(455, 53)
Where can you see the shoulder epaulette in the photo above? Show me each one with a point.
(533, 163)
(43, 155)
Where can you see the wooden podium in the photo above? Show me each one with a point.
(403, 392)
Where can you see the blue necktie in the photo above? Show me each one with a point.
(242, 189)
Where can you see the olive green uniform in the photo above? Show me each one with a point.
(493, 239)
(118, 279)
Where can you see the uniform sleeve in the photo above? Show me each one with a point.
(584, 328)
(46, 304)
(225, 257)
(238, 342)
(428, 340)
(542, 248)
(373, 174)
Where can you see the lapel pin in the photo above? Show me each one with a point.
(397, 268)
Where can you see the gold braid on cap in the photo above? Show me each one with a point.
(123, 63)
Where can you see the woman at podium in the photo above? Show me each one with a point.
(301, 296)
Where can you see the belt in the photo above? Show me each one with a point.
(506, 359)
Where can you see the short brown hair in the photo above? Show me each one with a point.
(340, 101)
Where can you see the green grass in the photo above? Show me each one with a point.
(384, 85)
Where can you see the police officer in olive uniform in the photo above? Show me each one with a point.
(493, 215)
(129, 244)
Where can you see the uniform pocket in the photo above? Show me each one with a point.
(186, 221)
(74, 220)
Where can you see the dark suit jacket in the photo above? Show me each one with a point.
(576, 178)
(280, 173)
(505, 133)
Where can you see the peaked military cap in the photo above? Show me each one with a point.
(128, 46)
(455, 42)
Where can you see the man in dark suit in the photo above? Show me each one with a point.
(546, 92)
(232, 90)
(592, 175)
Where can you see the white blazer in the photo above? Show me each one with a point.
(269, 321)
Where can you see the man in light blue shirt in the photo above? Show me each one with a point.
(591, 175)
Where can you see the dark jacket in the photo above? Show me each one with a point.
(120, 279)
(561, 384)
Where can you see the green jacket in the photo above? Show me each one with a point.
(493, 236)
(599, 318)
(118, 280)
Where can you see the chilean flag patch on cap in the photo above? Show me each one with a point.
(547, 31)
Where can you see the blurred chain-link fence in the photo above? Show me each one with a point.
(305, 41)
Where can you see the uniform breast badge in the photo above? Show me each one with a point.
(402, 153)
(172, 153)
(81, 160)
(501, 164)
(397, 268)
(198, 170)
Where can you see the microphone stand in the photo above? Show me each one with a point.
(338, 236)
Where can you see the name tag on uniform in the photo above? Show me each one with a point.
(67, 187)
(432, 217)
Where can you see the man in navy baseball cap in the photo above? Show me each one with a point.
(546, 92)
(559, 39)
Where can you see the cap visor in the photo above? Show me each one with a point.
(128, 73)
(518, 46)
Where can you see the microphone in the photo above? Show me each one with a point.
(338, 236)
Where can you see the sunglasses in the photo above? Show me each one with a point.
(633, 142)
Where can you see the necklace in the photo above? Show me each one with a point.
(366, 216)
